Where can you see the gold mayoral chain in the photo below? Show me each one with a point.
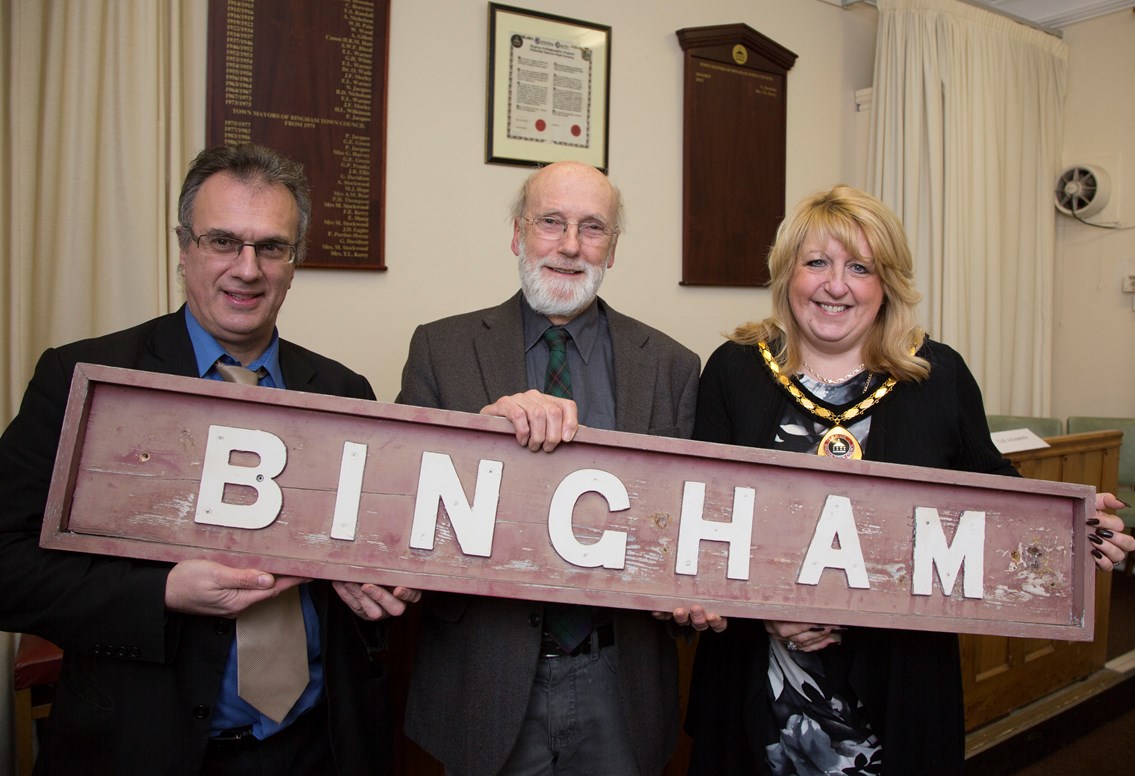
(838, 442)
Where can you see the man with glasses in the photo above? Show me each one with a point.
(519, 687)
(151, 681)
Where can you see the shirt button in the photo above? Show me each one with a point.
(534, 620)
(200, 712)
(222, 627)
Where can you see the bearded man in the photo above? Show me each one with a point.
(503, 686)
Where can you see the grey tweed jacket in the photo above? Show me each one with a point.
(477, 656)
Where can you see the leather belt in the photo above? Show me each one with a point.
(309, 729)
(232, 735)
(603, 636)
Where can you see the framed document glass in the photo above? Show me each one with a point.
(548, 86)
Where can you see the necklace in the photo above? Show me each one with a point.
(838, 380)
(838, 442)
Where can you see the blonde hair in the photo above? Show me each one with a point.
(843, 213)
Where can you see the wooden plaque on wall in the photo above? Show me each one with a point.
(309, 80)
(734, 149)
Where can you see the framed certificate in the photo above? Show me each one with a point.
(548, 88)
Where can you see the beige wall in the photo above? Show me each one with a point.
(447, 233)
(1094, 359)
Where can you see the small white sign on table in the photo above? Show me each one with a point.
(1015, 440)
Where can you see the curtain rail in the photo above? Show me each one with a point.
(1056, 33)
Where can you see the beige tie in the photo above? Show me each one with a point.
(271, 644)
(235, 373)
(271, 654)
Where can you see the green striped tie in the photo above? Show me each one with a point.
(557, 380)
(569, 625)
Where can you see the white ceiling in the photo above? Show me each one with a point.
(1056, 13)
(1051, 15)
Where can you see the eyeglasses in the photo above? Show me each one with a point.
(223, 246)
(554, 228)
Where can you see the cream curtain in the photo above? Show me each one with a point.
(966, 135)
(102, 109)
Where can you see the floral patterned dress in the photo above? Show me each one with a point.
(823, 726)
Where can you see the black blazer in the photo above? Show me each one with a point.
(909, 681)
(138, 682)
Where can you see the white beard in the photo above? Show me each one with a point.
(551, 296)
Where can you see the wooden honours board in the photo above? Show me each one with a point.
(309, 80)
(734, 143)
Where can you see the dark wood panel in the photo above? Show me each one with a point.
(1001, 674)
(309, 80)
(733, 171)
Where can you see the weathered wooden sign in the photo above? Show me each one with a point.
(168, 468)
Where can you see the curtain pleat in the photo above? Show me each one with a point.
(102, 107)
(966, 135)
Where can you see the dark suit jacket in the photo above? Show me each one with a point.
(138, 682)
(477, 657)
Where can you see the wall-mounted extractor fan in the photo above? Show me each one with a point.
(1082, 191)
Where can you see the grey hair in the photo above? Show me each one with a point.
(519, 204)
(248, 163)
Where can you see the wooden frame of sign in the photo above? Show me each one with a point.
(733, 169)
(167, 468)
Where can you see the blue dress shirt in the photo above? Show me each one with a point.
(230, 710)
